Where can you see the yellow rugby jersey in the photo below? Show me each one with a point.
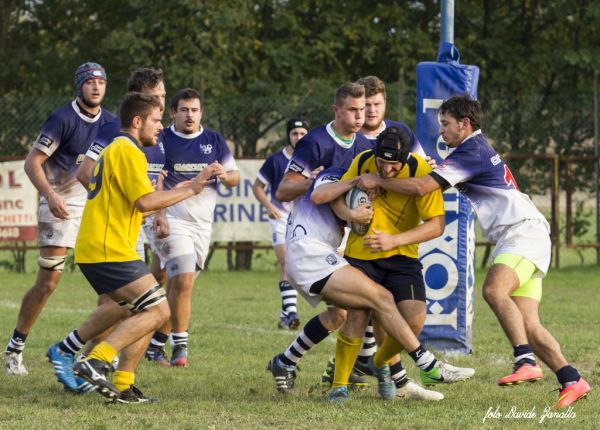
(393, 213)
(111, 223)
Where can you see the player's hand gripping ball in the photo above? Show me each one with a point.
(355, 198)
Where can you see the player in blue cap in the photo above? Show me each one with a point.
(52, 167)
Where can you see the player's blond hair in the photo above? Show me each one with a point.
(349, 89)
(373, 85)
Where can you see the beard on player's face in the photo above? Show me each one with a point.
(88, 103)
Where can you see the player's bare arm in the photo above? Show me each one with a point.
(162, 199)
(230, 178)
(408, 186)
(160, 224)
(35, 171)
(295, 184)
(258, 189)
(85, 171)
(362, 214)
(382, 241)
(326, 193)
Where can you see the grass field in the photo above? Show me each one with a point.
(233, 335)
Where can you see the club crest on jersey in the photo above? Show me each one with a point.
(495, 160)
(206, 149)
(331, 259)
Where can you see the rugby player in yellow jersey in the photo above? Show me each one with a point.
(388, 255)
(119, 195)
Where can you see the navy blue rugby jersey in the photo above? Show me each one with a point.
(109, 132)
(478, 172)
(321, 147)
(271, 173)
(64, 138)
(185, 156)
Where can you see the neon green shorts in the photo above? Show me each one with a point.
(528, 285)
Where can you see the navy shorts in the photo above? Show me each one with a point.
(400, 275)
(109, 277)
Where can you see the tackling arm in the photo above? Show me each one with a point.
(292, 185)
(408, 186)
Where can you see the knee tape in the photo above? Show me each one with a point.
(56, 264)
(150, 298)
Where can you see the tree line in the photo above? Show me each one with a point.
(257, 62)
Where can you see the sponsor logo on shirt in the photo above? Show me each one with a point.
(495, 160)
(206, 149)
(155, 167)
(295, 167)
(189, 167)
(330, 178)
(96, 148)
(47, 141)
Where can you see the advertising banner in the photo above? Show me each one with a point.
(18, 203)
(448, 261)
(238, 215)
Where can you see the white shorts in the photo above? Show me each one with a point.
(529, 239)
(278, 227)
(184, 239)
(309, 261)
(342, 248)
(147, 227)
(140, 246)
(54, 231)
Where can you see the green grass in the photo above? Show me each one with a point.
(233, 335)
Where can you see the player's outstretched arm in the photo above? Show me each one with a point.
(328, 192)
(408, 186)
(161, 199)
(292, 185)
(382, 241)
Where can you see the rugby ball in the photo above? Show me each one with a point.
(355, 198)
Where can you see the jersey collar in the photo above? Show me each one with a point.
(130, 137)
(186, 136)
(83, 116)
(331, 133)
(475, 133)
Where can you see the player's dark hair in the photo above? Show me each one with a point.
(349, 89)
(144, 78)
(185, 94)
(373, 85)
(461, 107)
(137, 104)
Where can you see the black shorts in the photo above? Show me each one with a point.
(108, 277)
(400, 275)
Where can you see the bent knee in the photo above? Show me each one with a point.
(163, 312)
(335, 317)
(492, 295)
(385, 298)
(45, 287)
